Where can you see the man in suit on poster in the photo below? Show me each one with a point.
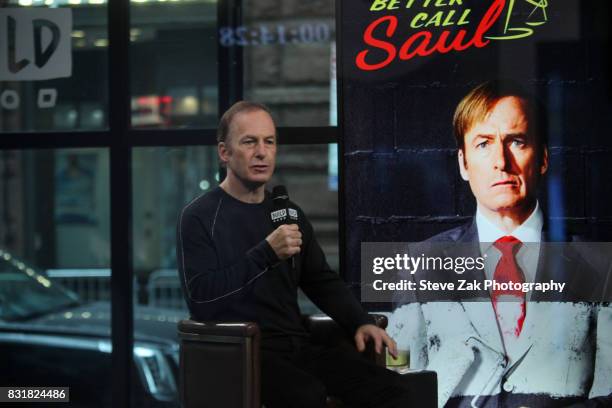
(508, 348)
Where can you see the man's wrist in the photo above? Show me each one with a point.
(271, 258)
(264, 255)
(366, 319)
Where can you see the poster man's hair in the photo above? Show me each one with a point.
(476, 105)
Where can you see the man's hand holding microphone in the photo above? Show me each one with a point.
(285, 241)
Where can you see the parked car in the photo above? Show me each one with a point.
(48, 337)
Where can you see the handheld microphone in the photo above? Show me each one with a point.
(281, 212)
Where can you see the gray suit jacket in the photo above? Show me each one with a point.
(564, 353)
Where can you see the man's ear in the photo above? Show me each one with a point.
(224, 152)
(462, 165)
(544, 165)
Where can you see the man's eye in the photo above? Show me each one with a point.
(271, 142)
(249, 141)
(482, 145)
(518, 142)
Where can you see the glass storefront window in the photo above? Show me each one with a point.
(173, 56)
(165, 180)
(54, 271)
(289, 59)
(55, 203)
(55, 207)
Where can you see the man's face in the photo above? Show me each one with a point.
(250, 149)
(501, 159)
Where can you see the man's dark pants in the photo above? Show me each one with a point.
(296, 373)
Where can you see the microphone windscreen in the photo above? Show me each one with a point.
(280, 201)
(280, 193)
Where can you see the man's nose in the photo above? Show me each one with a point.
(500, 159)
(260, 150)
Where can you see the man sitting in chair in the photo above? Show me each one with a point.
(235, 266)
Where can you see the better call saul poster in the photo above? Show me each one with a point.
(479, 131)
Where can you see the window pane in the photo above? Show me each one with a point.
(53, 65)
(173, 55)
(289, 58)
(54, 271)
(164, 180)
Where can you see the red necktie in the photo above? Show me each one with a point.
(508, 270)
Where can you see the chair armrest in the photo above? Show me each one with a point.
(192, 328)
(320, 323)
(325, 331)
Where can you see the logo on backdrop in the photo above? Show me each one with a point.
(407, 29)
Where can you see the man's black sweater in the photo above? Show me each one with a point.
(229, 272)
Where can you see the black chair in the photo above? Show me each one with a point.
(220, 362)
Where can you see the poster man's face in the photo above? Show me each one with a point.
(501, 159)
(250, 149)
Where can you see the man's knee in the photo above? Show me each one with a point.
(291, 387)
(312, 395)
(397, 397)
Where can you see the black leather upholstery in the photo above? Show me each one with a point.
(220, 366)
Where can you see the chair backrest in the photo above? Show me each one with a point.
(219, 365)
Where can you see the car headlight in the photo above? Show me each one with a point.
(155, 372)
(176, 354)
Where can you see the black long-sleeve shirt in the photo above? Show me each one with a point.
(229, 272)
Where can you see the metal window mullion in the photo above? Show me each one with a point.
(230, 59)
(121, 202)
(340, 140)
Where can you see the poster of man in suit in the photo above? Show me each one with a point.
(477, 130)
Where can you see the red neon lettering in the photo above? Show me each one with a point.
(487, 22)
(421, 40)
(420, 49)
(369, 39)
